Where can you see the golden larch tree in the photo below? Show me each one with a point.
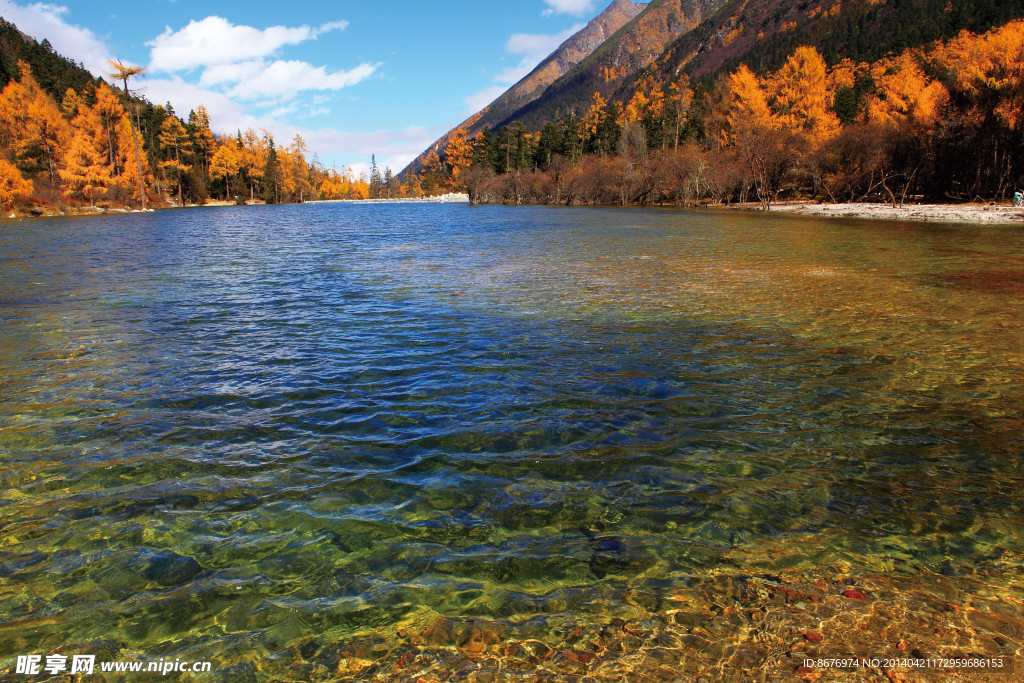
(804, 99)
(13, 188)
(459, 157)
(226, 163)
(203, 136)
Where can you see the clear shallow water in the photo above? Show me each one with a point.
(224, 432)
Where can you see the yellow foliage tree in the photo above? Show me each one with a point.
(226, 163)
(13, 188)
(904, 93)
(804, 99)
(678, 103)
(295, 171)
(594, 114)
(433, 173)
(634, 109)
(749, 105)
(459, 157)
(990, 68)
(108, 108)
(125, 156)
(254, 157)
(85, 168)
(29, 118)
(203, 135)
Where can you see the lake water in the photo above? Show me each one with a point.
(344, 441)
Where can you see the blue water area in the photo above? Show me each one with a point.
(225, 431)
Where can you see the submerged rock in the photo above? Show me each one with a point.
(168, 568)
(621, 556)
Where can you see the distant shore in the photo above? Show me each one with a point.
(50, 211)
(943, 213)
(451, 198)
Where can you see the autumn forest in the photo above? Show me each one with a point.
(937, 123)
(940, 123)
(77, 148)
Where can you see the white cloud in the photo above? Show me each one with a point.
(231, 73)
(538, 45)
(282, 111)
(235, 58)
(287, 78)
(42, 21)
(574, 7)
(481, 99)
(216, 41)
(534, 47)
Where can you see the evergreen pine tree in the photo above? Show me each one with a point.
(271, 175)
(389, 181)
(375, 180)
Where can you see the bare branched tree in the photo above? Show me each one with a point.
(123, 72)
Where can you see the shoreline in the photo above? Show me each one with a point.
(944, 213)
(939, 213)
(51, 212)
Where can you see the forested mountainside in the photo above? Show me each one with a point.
(54, 73)
(632, 49)
(763, 33)
(696, 42)
(570, 53)
(634, 36)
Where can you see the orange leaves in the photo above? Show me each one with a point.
(30, 118)
(13, 188)
(904, 93)
(85, 166)
(227, 160)
(990, 68)
(595, 113)
(750, 104)
(459, 157)
(803, 97)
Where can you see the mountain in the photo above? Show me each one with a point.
(763, 34)
(630, 51)
(704, 38)
(570, 53)
(53, 72)
(622, 40)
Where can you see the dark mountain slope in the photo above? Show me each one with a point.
(55, 73)
(762, 34)
(570, 53)
(634, 47)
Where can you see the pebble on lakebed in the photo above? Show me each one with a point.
(722, 627)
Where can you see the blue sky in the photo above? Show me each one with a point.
(353, 78)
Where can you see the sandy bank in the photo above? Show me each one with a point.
(955, 213)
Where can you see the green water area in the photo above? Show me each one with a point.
(341, 442)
